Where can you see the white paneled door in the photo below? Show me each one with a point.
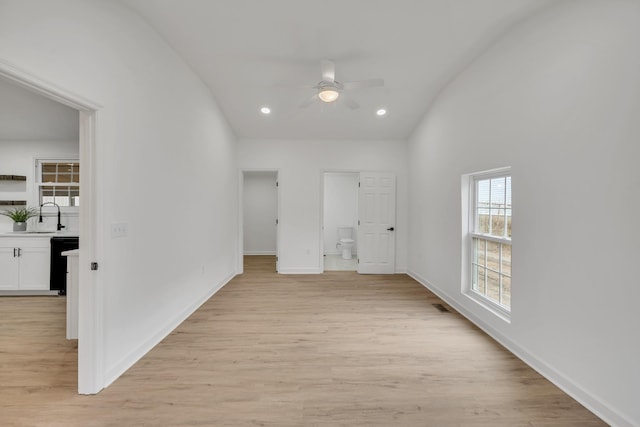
(377, 219)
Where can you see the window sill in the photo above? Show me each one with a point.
(489, 305)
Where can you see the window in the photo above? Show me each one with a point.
(58, 182)
(490, 239)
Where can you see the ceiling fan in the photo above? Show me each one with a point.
(329, 90)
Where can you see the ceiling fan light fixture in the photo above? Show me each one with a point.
(328, 94)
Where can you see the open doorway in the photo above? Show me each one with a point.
(90, 378)
(340, 221)
(358, 222)
(260, 217)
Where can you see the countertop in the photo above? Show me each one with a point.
(22, 234)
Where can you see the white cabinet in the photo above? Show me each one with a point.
(24, 263)
(9, 268)
(72, 293)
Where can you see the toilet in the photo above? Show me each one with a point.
(345, 237)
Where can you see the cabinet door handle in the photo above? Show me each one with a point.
(14, 252)
(19, 252)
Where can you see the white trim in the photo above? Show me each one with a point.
(602, 409)
(240, 254)
(300, 271)
(91, 332)
(21, 293)
(30, 81)
(260, 252)
(321, 252)
(91, 300)
(491, 173)
(489, 305)
(278, 225)
(504, 241)
(469, 225)
(135, 355)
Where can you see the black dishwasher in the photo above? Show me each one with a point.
(58, 276)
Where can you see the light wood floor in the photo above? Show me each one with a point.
(337, 349)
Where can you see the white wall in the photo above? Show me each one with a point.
(28, 116)
(558, 99)
(17, 158)
(260, 211)
(340, 208)
(161, 142)
(301, 165)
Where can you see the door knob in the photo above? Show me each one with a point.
(390, 229)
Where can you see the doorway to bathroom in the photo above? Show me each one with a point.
(340, 221)
(358, 222)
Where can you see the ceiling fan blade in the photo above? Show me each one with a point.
(350, 102)
(294, 86)
(328, 70)
(309, 101)
(360, 84)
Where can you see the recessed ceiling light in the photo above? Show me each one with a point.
(381, 112)
(265, 110)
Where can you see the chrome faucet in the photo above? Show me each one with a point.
(60, 226)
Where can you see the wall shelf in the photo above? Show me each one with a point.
(13, 203)
(13, 178)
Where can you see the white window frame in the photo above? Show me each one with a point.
(469, 196)
(38, 161)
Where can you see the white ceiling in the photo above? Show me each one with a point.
(255, 52)
(28, 116)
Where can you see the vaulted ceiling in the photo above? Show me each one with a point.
(255, 53)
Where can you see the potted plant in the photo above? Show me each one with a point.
(20, 217)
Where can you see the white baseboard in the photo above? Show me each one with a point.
(134, 356)
(260, 252)
(299, 271)
(28, 293)
(595, 405)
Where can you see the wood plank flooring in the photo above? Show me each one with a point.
(337, 349)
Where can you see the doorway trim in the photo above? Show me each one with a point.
(241, 172)
(91, 322)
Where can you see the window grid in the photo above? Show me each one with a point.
(491, 237)
(481, 271)
(60, 172)
(59, 182)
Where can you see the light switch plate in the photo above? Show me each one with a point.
(119, 229)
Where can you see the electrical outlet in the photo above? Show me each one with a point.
(119, 229)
